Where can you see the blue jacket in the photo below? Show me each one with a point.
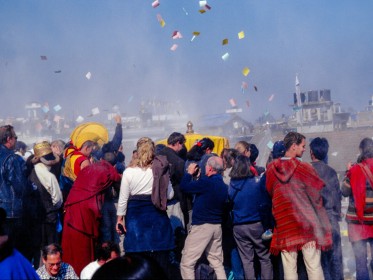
(249, 201)
(16, 266)
(211, 196)
(13, 183)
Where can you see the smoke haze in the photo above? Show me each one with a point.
(327, 43)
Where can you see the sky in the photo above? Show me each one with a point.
(123, 45)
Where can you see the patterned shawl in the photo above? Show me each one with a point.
(297, 206)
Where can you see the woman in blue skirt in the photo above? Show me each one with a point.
(147, 228)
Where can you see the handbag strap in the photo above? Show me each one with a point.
(368, 174)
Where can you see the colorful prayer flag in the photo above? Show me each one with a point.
(79, 119)
(225, 56)
(233, 102)
(245, 71)
(95, 111)
(241, 35)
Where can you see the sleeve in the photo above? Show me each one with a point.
(114, 175)
(189, 186)
(337, 194)
(117, 138)
(15, 176)
(124, 193)
(346, 187)
(179, 172)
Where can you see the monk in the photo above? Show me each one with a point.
(83, 212)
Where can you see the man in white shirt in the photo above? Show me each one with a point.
(104, 253)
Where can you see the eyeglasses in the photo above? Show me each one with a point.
(54, 264)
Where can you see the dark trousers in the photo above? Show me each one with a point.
(109, 222)
(332, 260)
(361, 255)
(249, 241)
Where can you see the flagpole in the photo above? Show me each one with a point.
(299, 104)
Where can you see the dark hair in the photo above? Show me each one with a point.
(195, 153)
(131, 266)
(205, 143)
(366, 148)
(110, 157)
(241, 168)
(51, 249)
(293, 138)
(6, 131)
(278, 149)
(108, 147)
(175, 137)
(229, 156)
(20, 145)
(254, 152)
(103, 250)
(319, 147)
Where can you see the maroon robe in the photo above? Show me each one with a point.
(83, 213)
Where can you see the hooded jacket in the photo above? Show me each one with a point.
(248, 201)
(297, 206)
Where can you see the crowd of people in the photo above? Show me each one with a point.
(74, 210)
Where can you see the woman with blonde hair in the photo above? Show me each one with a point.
(142, 202)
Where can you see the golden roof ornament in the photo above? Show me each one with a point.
(190, 127)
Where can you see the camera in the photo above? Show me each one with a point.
(121, 228)
(196, 170)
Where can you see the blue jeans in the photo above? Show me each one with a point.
(360, 251)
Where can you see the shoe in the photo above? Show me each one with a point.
(267, 235)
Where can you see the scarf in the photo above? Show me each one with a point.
(50, 183)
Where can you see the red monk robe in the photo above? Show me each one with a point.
(83, 213)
